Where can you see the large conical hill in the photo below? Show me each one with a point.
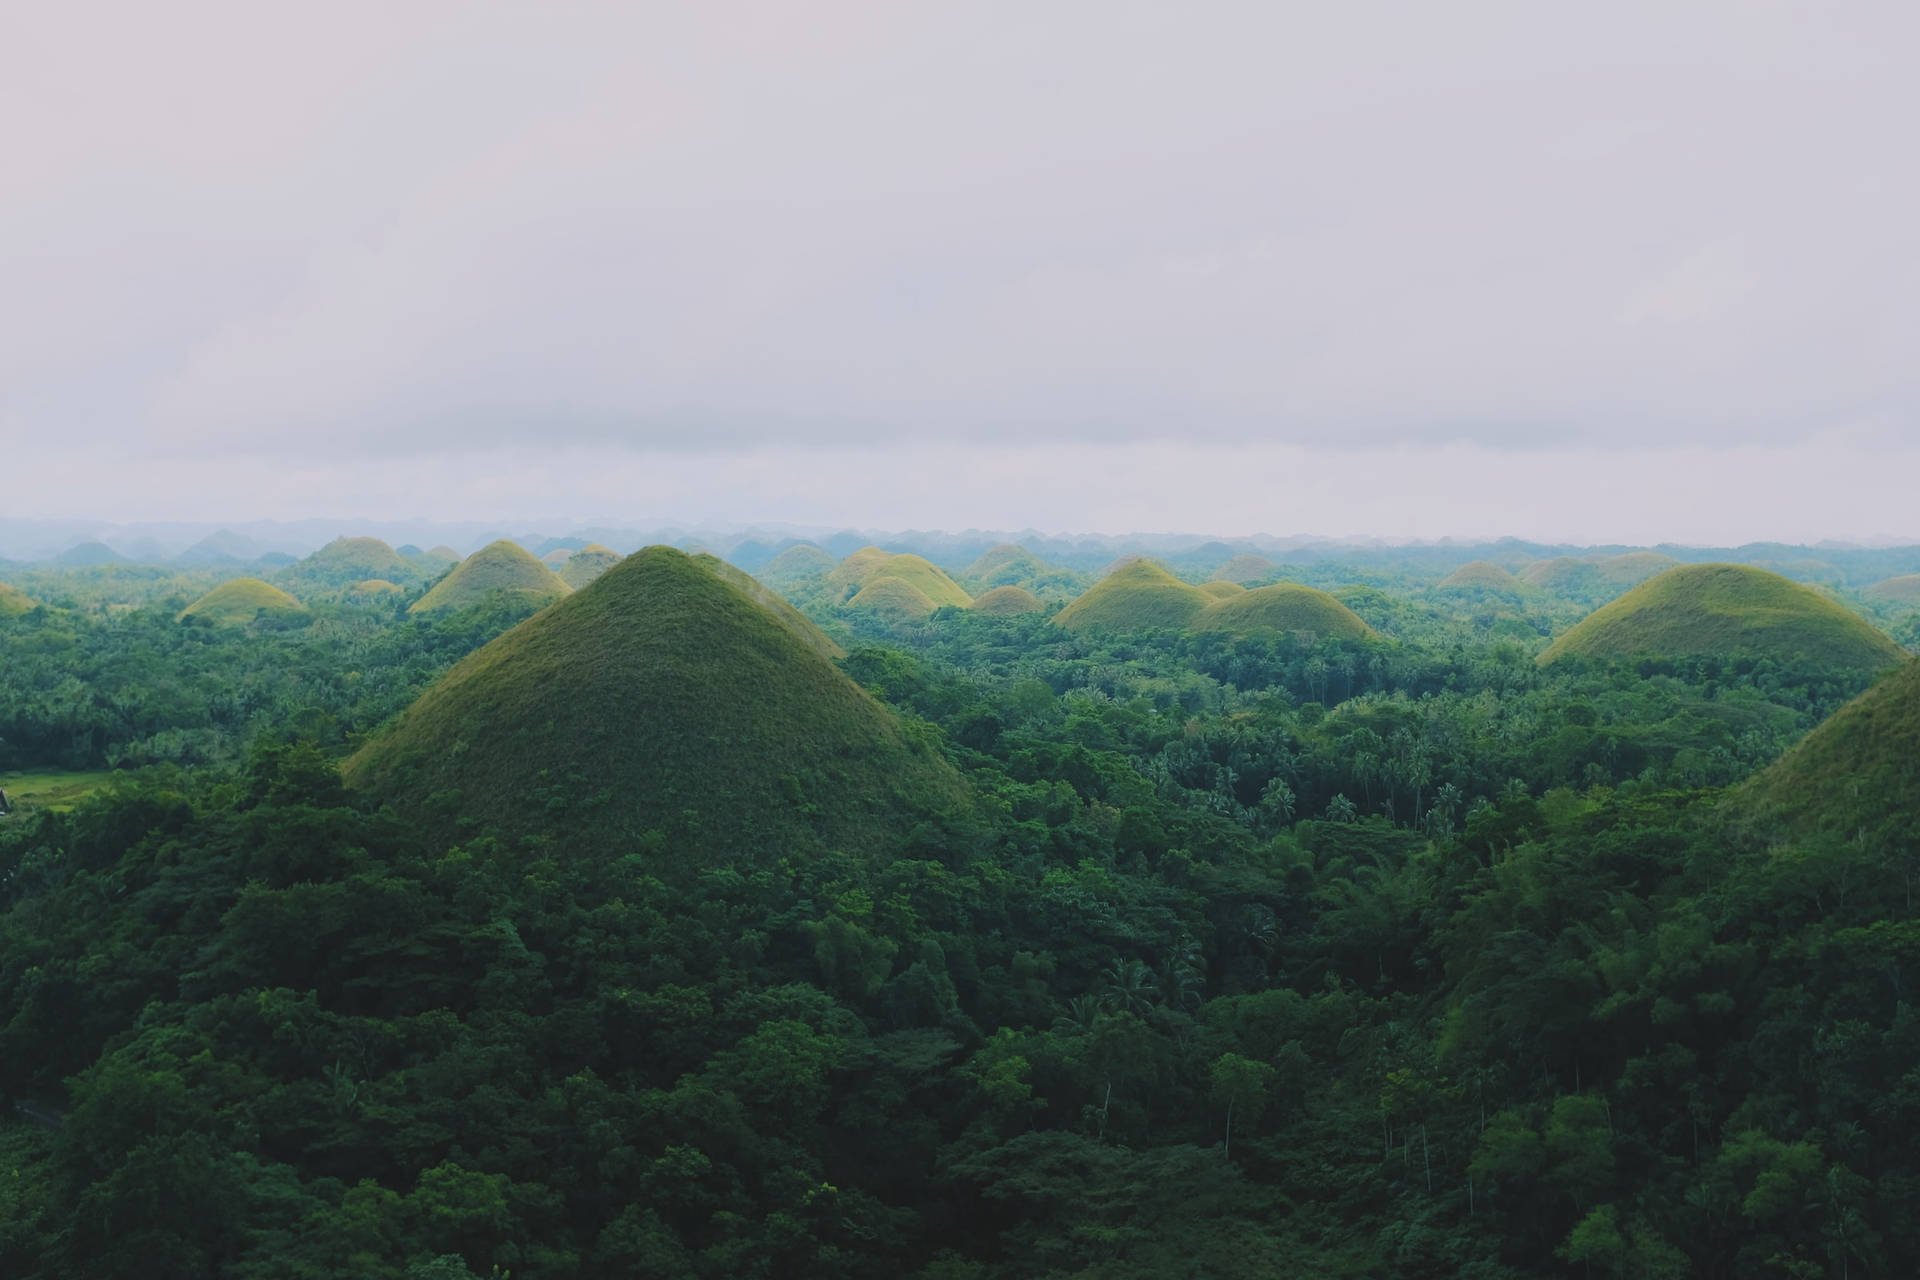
(13, 601)
(1006, 602)
(1729, 610)
(1285, 606)
(586, 564)
(797, 624)
(503, 567)
(1858, 772)
(1136, 594)
(660, 698)
(240, 601)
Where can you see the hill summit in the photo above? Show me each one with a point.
(240, 601)
(1729, 610)
(1480, 575)
(501, 566)
(867, 566)
(1141, 593)
(345, 561)
(586, 564)
(662, 699)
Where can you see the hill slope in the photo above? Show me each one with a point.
(13, 601)
(1727, 609)
(345, 561)
(1857, 773)
(1244, 568)
(893, 598)
(1902, 590)
(499, 566)
(1220, 590)
(240, 601)
(1138, 593)
(869, 564)
(1480, 575)
(1285, 606)
(660, 698)
(801, 561)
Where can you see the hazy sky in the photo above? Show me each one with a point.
(1624, 271)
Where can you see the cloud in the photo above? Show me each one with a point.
(408, 234)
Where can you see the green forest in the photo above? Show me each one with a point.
(381, 916)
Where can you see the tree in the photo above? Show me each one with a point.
(1240, 1085)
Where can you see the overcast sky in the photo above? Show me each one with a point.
(1624, 271)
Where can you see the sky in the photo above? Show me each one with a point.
(1626, 272)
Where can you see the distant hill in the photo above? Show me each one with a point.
(1904, 589)
(864, 567)
(1730, 610)
(660, 699)
(1007, 602)
(586, 564)
(893, 598)
(442, 555)
(1221, 590)
(1006, 564)
(1285, 606)
(1245, 568)
(1562, 574)
(1857, 773)
(345, 561)
(557, 557)
(1137, 593)
(239, 602)
(1591, 575)
(797, 563)
(1633, 567)
(13, 601)
(503, 567)
(220, 548)
(374, 588)
(88, 555)
(1480, 575)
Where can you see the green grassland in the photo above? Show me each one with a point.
(1727, 609)
(55, 789)
(503, 567)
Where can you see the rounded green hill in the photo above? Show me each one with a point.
(586, 564)
(1479, 575)
(797, 563)
(503, 567)
(13, 601)
(868, 565)
(1136, 594)
(345, 561)
(1857, 773)
(1562, 573)
(373, 588)
(1904, 589)
(240, 601)
(660, 699)
(1285, 606)
(1245, 568)
(893, 598)
(1220, 590)
(1730, 610)
(1633, 567)
(1006, 602)
(1006, 564)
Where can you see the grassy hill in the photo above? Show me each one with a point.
(88, 555)
(1561, 574)
(1006, 564)
(1006, 602)
(345, 561)
(1904, 589)
(374, 588)
(1245, 568)
(893, 598)
(797, 563)
(1588, 576)
(13, 601)
(236, 603)
(1634, 567)
(1221, 590)
(586, 564)
(1727, 609)
(502, 567)
(798, 625)
(1857, 773)
(1137, 593)
(660, 698)
(1480, 575)
(1285, 606)
(864, 567)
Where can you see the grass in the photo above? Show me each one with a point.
(1729, 610)
(1634, 567)
(1285, 606)
(1246, 568)
(373, 588)
(1857, 772)
(236, 603)
(661, 698)
(1136, 594)
(797, 563)
(499, 566)
(588, 563)
(1006, 564)
(1005, 602)
(797, 624)
(55, 789)
(13, 601)
(869, 564)
(1220, 590)
(1902, 590)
